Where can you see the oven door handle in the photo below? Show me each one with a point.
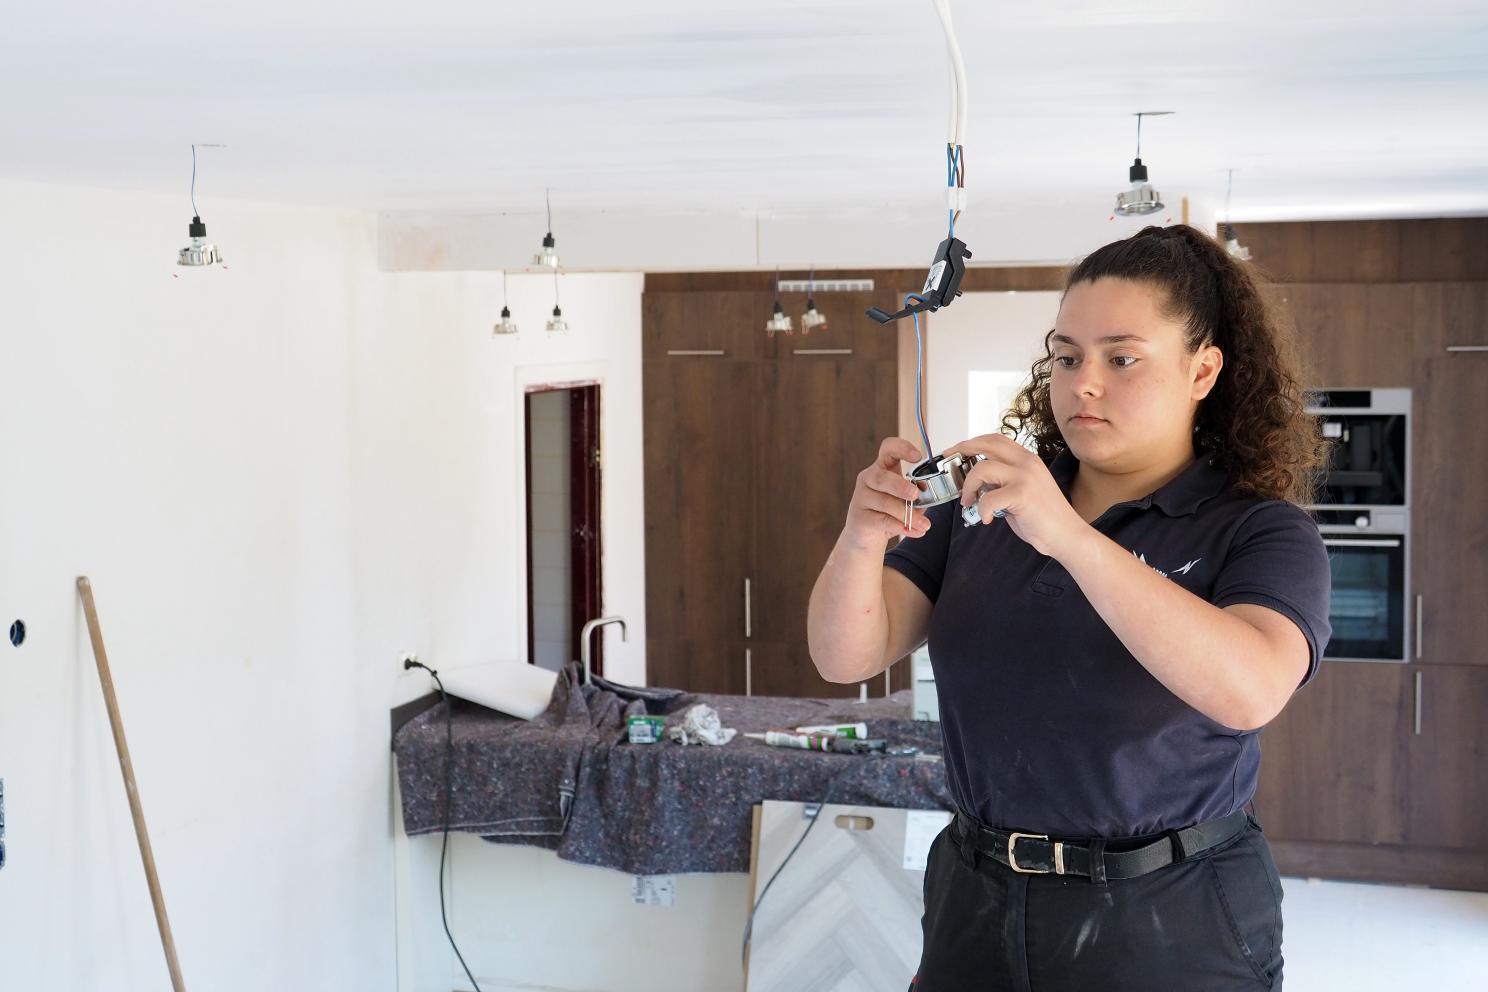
(1357, 542)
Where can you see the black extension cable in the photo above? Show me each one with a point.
(449, 761)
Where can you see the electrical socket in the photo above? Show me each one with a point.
(408, 659)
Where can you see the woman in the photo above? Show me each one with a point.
(1105, 654)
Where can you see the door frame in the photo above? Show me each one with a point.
(586, 586)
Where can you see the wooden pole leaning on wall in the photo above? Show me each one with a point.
(85, 590)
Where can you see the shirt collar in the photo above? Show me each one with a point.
(1201, 480)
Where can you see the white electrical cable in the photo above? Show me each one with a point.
(958, 71)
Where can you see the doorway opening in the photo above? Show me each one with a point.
(564, 589)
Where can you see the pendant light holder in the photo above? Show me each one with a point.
(505, 325)
(548, 256)
(1233, 246)
(1141, 198)
(200, 251)
(1231, 241)
(813, 319)
(779, 322)
(556, 323)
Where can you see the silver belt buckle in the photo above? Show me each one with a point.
(1013, 858)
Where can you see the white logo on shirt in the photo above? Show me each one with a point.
(1180, 571)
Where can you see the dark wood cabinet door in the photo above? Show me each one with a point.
(1449, 512)
(700, 482)
(821, 419)
(786, 669)
(1334, 764)
(1449, 757)
(709, 664)
(1351, 334)
(729, 321)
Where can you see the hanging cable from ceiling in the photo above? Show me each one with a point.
(1232, 243)
(548, 255)
(199, 252)
(779, 322)
(943, 282)
(505, 325)
(556, 323)
(1140, 199)
(812, 319)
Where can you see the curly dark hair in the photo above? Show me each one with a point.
(1254, 420)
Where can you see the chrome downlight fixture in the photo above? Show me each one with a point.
(548, 255)
(1231, 241)
(200, 251)
(556, 324)
(1140, 199)
(505, 325)
(779, 322)
(813, 319)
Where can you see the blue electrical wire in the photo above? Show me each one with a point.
(919, 373)
(953, 162)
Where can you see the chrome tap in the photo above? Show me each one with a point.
(584, 640)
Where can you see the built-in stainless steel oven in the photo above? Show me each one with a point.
(1367, 552)
(1363, 514)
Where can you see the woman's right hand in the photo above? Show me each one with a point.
(876, 512)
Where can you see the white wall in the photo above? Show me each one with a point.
(980, 333)
(278, 477)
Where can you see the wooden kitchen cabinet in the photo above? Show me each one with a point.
(1448, 754)
(1351, 334)
(1335, 763)
(751, 457)
(1449, 495)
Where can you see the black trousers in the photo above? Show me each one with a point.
(1209, 923)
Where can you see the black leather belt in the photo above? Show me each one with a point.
(1036, 854)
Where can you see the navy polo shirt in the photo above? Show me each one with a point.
(1050, 724)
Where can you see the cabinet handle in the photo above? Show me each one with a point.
(1420, 624)
(749, 673)
(1360, 542)
(822, 351)
(685, 352)
(748, 612)
(1458, 348)
(1418, 702)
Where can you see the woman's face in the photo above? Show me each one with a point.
(1122, 387)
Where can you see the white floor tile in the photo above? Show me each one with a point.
(1360, 937)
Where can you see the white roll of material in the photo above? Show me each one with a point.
(512, 687)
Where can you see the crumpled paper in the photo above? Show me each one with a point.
(700, 725)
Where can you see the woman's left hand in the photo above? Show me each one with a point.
(1013, 479)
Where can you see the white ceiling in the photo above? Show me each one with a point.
(1327, 107)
